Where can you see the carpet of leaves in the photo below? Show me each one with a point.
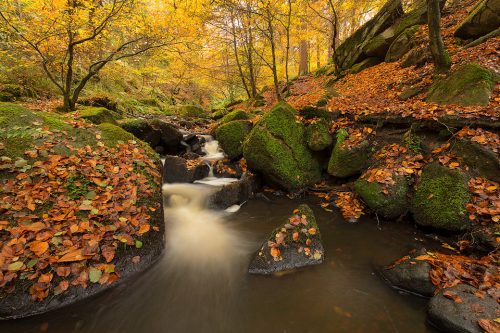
(297, 231)
(64, 217)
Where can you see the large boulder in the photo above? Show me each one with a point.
(318, 135)
(348, 161)
(231, 136)
(295, 244)
(156, 133)
(104, 225)
(379, 45)
(440, 199)
(402, 44)
(351, 50)
(470, 84)
(458, 309)
(179, 170)
(276, 148)
(483, 19)
(389, 205)
(410, 275)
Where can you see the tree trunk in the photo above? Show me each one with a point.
(273, 55)
(304, 58)
(442, 61)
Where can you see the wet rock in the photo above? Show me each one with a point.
(235, 193)
(277, 149)
(231, 136)
(462, 316)
(484, 18)
(178, 170)
(194, 142)
(390, 205)
(411, 275)
(295, 244)
(470, 84)
(440, 199)
(345, 161)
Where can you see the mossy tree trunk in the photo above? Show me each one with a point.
(442, 61)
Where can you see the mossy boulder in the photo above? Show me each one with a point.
(351, 50)
(483, 19)
(98, 115)
(367, 63)
(276, 148)
(479, 157)
(234, 115)
(80, 165)
(346, 161)
(231, 136)
(440, 199)
(160, 135)
(311, 112)
(470, 84)
(402, 44)
(218, 114)
(295, 244)
(390, 205)
(318, 135)
(191, 111)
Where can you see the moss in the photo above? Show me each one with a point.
(440, 199)
(389, 206)
(310, 112)
(402, 44)
(231, 136)
(234, 115)
(276, 147)
(346, 162)
(191, 111)
(471, 84)
(98, 115)
(318, 135)
(112, 134)
(216, 115)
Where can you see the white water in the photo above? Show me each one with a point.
(212, 150)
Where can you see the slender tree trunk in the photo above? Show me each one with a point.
(442, 61)
(251, 69)
(237, 57)
(304, 58)
(287, 53)
(273, 55)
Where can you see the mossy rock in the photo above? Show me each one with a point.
(402, 44)
(345, 162)
(113, 134)
(234, 115)
(141, 129)
(391, 205)
(218, 114)
(98, 115)
(100, 100)
(191, 111)
(480, 158)
(231, 136)
(276, 147)
(318, 135)
(291, 253)
(440, 199)
(471, 84)
(367, 63)
(483, 19)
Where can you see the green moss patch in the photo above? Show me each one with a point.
(345, 162)
(318, 135)
(471, 84)
(98, 115)
(276, 147)
(231, 136)
(234, 115)
(440, 199)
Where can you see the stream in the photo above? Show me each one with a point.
(201, 283)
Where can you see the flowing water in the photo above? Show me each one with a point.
(201, 283)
